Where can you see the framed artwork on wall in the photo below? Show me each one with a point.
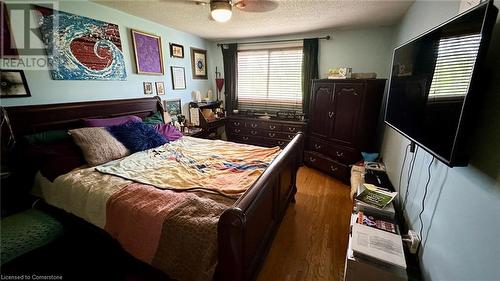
(148, 53)
(160, 88)
(199, 63)
(173, 106)
(148, 88)
(178, 78)
(13, 84)
(176, 50)
(89, 50)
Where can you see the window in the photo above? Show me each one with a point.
(270, 80)
(454, 66)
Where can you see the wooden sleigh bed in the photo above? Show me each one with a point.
(245, 230)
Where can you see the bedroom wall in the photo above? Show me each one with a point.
(365, 50)
(460, 237)
(44, 90)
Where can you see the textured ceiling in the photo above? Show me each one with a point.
(290, 16)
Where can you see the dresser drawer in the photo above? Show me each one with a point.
(277, 142)
(317, 145)
(253, 124)
(236, 123)
(291, 128)
(327, 165)
(237, 130)
(270, 126)
(343, 154)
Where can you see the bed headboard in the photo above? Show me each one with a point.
(36, 118)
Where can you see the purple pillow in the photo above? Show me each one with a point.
(137, 136)
(115, 121)
(168, 131)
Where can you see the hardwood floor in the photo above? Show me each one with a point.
(311, 243)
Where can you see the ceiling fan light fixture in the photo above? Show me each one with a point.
(221, 10)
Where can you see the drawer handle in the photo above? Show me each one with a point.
(272, 135)
(317, 146)
(312, 159)
(253, 125)
(245, 138)
(350, 90)
(334, 169)
(340, 154)
(330, 114)
(292, 129)
(237, 130)
(290, 137)
(236, 124)
(272, 127)
(253, 132)
(281, 142)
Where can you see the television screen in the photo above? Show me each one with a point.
(433, 78)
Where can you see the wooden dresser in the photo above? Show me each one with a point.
(343, 119)
(262, 132)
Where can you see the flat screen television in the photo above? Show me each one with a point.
(435, 84)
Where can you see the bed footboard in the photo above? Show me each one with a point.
(246, 230)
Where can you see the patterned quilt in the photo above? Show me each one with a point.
(163, 205)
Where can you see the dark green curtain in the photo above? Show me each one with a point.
(230, 57)
(309, 70)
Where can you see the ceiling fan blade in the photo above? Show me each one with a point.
(256, 6)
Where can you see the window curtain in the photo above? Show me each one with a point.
(230, 57)
(309, 70)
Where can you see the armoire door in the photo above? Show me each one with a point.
(320, 106)
(347, 102)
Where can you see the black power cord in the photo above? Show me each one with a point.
(424, 197)
(401, 176)
(410, 172)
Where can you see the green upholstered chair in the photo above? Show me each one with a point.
(25, 232)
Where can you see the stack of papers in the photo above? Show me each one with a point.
(378, 244)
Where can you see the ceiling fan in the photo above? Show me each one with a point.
(221, 10)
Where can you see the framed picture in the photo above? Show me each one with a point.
(148, 54)
(90, 50)
(173, 107)
(178, 78)
(148, 88)
(176, 50)
(199, 63)
(160, 88)
(13, 84)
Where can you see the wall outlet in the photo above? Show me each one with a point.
(412, 240)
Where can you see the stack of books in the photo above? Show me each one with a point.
(374, 200)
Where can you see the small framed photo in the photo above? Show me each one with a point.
(160, 88)
(148, 88)
(13, 84)
(148, 53)
(178, 78)
(199, 63)
(176, 50)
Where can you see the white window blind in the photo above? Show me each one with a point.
(454, 65)
(270, 80)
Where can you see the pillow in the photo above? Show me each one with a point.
(98, 145)
(156, 118)
(137, 136)
(47, 137)
(169, 131)
(106, 122)
(57, 158)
